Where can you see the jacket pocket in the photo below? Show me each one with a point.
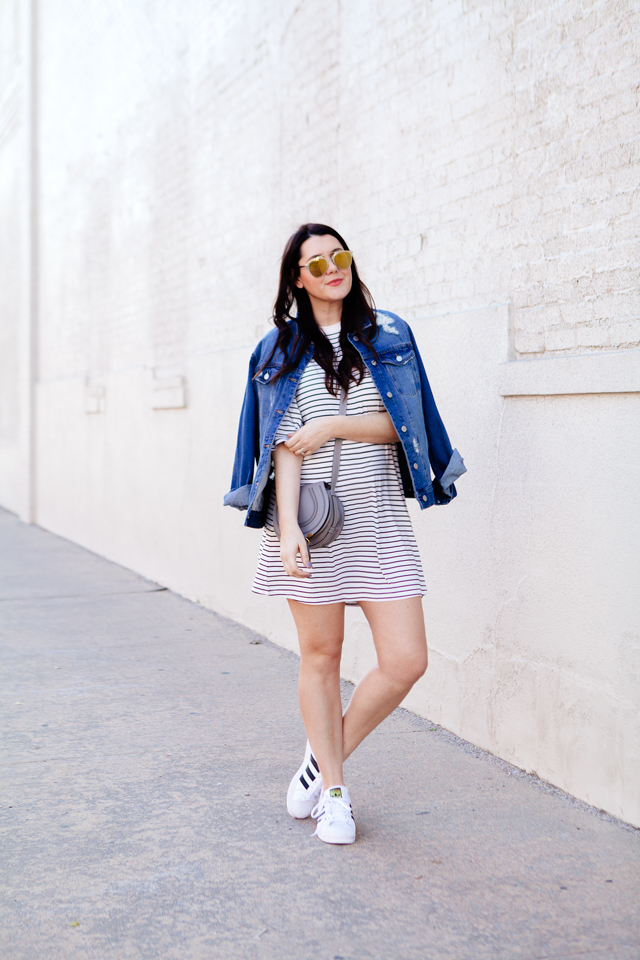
(266, 391)
(400, 364)
(266, 375)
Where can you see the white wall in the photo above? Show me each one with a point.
(17, 280)
(481, 162)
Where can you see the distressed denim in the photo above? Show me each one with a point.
(400, 377)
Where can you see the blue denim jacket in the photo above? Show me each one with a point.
(402, 382)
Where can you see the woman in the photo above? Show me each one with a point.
(338, 344)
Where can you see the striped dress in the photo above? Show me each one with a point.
(376, 556)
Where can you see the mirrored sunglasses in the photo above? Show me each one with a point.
(319, 265)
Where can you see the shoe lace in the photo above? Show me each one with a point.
(330, 809)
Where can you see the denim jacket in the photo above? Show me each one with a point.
(400, 377)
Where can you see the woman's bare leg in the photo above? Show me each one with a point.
(320, 633)
(401, 645)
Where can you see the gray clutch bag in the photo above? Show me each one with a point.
(320, 510)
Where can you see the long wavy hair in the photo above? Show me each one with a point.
(296, 333)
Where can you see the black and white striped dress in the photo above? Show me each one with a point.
(376, 556)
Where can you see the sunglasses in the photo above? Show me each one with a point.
(319, 265)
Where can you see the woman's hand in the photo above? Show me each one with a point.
(362, 427)
(292, 545)
(311, 436)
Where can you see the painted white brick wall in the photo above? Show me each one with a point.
(471, 154)
(576, 177)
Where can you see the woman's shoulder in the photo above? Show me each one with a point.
(267, 349)
(265, 346)
(270, 338)
(267, 342)
(391, 326)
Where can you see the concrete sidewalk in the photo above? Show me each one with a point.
(147, 750)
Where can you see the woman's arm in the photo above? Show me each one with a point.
(363, 428)
(292, 541)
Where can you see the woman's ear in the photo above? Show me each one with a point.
(298, 282)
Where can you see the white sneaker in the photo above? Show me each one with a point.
(335, 816)
(306, 787)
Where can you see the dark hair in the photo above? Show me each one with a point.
(295, 337)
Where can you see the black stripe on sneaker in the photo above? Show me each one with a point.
(314, 762)
(310, 773)
(304, 782)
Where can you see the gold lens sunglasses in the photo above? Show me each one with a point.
(319, 265)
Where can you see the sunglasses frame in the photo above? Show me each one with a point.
(326, 260)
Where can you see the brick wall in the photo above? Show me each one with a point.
(472, 153)
(576, 166)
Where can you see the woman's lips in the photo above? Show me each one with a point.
(334, 283)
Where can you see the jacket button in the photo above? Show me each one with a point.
(404, 429)
(424, 496)
(356, 337)
(374, 363)
(398, 357)
(415, 466)
(390, 395)
(266, 376)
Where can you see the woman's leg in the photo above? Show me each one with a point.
(320, 633)
(401, 646)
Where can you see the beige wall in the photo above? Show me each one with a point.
(480, 160)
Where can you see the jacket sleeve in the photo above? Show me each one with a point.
(446, 463)
(246, 446)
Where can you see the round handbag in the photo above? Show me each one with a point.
(320, 510)
(320, 514)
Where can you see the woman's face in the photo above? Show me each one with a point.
(332, 286)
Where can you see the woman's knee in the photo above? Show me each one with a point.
(420, 666)
(323, 656)
(407, 670)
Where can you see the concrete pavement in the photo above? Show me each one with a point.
(147, 748)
